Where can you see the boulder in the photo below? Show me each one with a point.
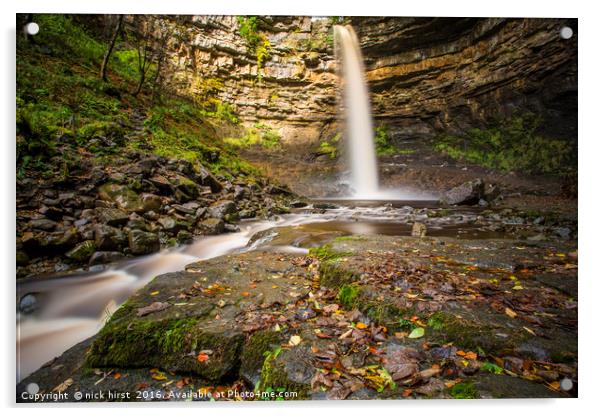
(120, 195)
(112, 216)
(108, 238)
(185, 185)
(221, 208)
(103, 257)
(184, 237)
(142, 242)
(82, 251)
(206, 178)
(168, 223)
(43, 224)
(469, 193)
(162, 184)
(211, 226)
(145, 333)
(150, 202)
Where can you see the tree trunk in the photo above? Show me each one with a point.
(105, 61)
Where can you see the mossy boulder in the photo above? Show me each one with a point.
(82, 251)
(185, 185)
(142, 242)
(121, 195)
(289, 370)
(253, 354)
(177, 316)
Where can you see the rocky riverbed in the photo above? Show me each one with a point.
(438, 314)
(137, 204)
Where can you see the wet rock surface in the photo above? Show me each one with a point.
(143, 204)
(421, 317)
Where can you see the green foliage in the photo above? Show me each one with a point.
(329, 147)
(437, 321)
(347, 295)
(64, 37)
(492, 368)
(63, 104)
(464, 390)
(257, 42)
(325, 253)
(406, 325)
(260, 134)
(511, 144)
(382, 143)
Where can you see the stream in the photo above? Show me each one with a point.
(67, 309)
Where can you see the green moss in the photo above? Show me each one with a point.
(464, 390)
(437, 320)
(274, 376)
(334, 276)
(167, 343)
(511, 144)
(470, 334)
(348, 295)
(326, 253)
(253, 352)
(382, 142)
(349, 238)
(258, 135)
(257, 42)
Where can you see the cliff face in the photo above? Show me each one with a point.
(293, 90)
(432, 74)
(426, 75)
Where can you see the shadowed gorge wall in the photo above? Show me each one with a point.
(426, 75)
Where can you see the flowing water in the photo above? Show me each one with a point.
(358, 118)
(359, 129)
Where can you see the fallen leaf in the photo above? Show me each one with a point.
(295, 340)
(117, 376)
(158, 375)
(510, 313)
(245, 294)
(202, 357)
(63, 386)
(152, 308)
(417, 333)
(361, 325)
(530, 331)
(155, 293)
(471, 355)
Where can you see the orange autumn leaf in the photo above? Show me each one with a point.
(117, 376)
(460, 353)
(202, 357)
(245, 294)
(470, 355)
(406, 392)
(183, 382)
(360, 325)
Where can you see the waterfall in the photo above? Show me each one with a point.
(358, 119)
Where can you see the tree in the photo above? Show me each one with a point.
(105, 60)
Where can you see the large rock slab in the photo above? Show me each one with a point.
(196, 312)
(469, 193)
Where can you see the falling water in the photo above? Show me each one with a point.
(358, 120)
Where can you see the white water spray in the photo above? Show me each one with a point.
(358, 119)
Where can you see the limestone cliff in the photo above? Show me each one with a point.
(426, 75)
